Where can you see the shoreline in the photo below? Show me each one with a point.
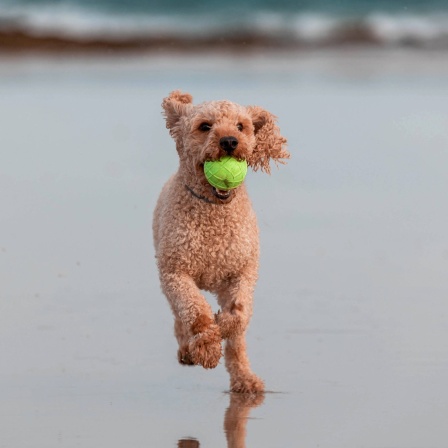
(18, 41)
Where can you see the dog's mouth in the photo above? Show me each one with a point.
(223, 195)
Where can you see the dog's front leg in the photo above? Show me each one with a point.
(191, 310)
(236, 304)
(242, 379)
(235, 299)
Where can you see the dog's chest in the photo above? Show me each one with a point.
(220, 244)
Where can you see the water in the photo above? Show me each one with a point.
(216, 6)
(417, 22)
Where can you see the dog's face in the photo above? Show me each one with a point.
(216, 129)
(211, 130)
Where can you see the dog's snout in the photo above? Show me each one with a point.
(228, 144)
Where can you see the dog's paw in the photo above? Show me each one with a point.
(248, 384)
(240, 401)
(205, 347)
(229, 324)
(184, 357)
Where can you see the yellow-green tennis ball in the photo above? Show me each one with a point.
(225, 173)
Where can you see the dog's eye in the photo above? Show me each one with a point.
(239, 126)
(205, 127)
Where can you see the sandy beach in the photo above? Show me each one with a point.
(350, 327)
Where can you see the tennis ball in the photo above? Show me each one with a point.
(225, 173)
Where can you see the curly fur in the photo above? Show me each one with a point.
(204, 241)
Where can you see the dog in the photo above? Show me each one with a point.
(206, 238)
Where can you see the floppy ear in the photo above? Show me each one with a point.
(175, 106)
(269, 144)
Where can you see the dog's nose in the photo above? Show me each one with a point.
(228, 144)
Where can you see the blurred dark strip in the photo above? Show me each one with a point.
(19, 41)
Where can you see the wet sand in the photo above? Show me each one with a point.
(350, 328)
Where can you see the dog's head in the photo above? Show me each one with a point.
(211, 130)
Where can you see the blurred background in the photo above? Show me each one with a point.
(350, 326)
(153, 25)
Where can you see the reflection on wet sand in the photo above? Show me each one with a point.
(235, 421)
(188, 443)
(236, 416)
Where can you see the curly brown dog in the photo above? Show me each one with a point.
(207, 239)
